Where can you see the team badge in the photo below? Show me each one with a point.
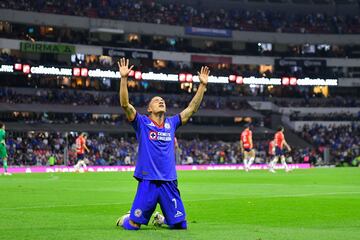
(153, 135)
(138, 213)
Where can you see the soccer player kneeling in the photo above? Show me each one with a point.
(155, 167)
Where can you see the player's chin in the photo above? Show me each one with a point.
(161, 110)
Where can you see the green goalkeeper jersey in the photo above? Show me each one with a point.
(2, 136)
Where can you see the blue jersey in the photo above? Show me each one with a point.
(156, 154)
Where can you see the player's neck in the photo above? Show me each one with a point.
(158, 118)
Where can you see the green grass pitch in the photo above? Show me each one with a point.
(304, 204)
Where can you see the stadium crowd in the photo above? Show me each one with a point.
(38, 148)
(62, 118)
(76, 36)
(334, 116)
(82, 98)
(116, 120)
(343, 141)
(218, 97)
(198, 15)
(307, 101)
(219, 152)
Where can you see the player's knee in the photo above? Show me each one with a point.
(179, 226)
(130, 225)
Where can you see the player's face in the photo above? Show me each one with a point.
(157, 105)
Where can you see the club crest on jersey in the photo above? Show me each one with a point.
(160, 136)
(138, 213)
(153, 135)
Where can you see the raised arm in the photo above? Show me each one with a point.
(195, 102)
(124, 69)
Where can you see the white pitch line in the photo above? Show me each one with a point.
(206, 199)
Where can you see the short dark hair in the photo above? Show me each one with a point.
(148, 105)
(280, 128)
(2, 124)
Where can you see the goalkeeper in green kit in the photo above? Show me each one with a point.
(3, 153)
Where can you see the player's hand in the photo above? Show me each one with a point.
(204, 75)
(289, 149)
(124, 67)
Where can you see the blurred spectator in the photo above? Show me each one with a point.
(332, 116)
(343, 141)
(81, 98)
(47, 149)
(177, 13)
(319, 102)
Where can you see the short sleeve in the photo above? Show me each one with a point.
(136, 123)
(175, 121)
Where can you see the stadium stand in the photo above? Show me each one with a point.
(176, 13)
(240, 118)
(308, 84)
(36, 148)
(342, 141)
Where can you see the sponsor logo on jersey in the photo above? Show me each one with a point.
(167, 126)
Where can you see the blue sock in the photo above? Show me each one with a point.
(128, 226)
(180, 225)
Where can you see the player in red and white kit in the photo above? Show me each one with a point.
(80, 151)
(280, 142)
(246, 146)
